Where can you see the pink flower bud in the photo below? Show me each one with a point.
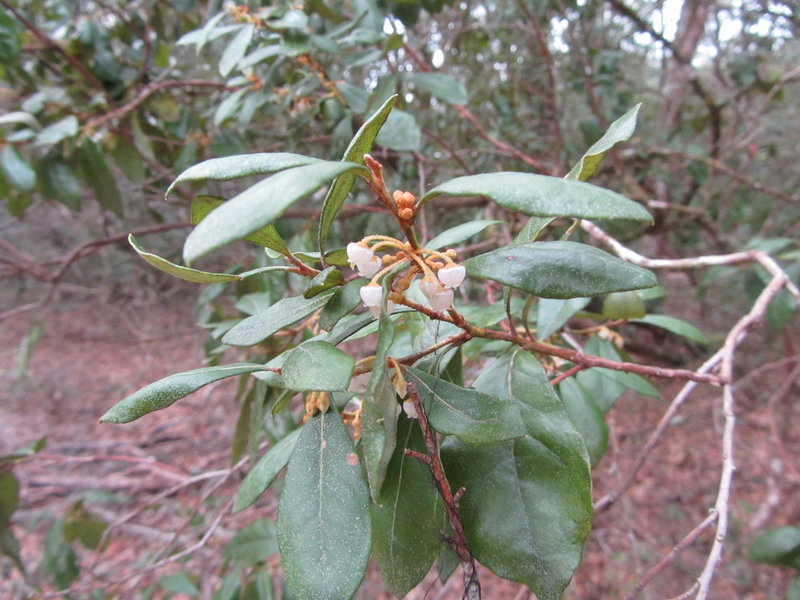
(441, 300)
(452, 275)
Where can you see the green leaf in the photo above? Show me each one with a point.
(406, 516)
(623, 305)
(59, 558)
(99, 177)
(379, 412)
(324, 528)
(59, 182)
(253, 543)
(186, 273)
(444, 87)
(179, 583)
(324, 280)
(283, 313)
(9, 37)
(235, 50)
(528, 502)
(267, 237)
(343, 301)
(167, 391)
(241, 165)
(9, 497)
(459, 233)
(793, 591)
(472, 416)
(26, 451)
(265, 471)
(400, 133)
(553, 313)
(619, 131)
(317, 365)
(57, 132)
(19, 117)
(559, 270)
(676, 326)
(360, 145)
(779, 546)
(543, 196)
(259, 205)
(17, 170)
(587, 417)
(9, 546)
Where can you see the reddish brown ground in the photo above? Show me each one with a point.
(95, 350)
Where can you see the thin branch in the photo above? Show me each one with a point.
(460, 545)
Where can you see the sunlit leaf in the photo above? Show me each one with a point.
(619, 131)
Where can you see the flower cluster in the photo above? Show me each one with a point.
(440, 273)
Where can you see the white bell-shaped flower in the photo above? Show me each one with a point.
(410, 409)
(428, 286)
(359, 254)
(369, 268)
(452, 275)
(375, 311)
(371, 295)
(442, 300)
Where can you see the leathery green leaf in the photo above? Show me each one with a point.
(343, 301)
(407, 515)
(559, 270)
(167, 391)
(324, 280)
(268, 236)
(260, 205)
(459, 233)
(587, 417)
(265, 471)
(528, 504)
(472, 416)
(17, 170)
(543, 196)
(676, 326)
(99, 177)
(358, 147)
(619, 131)
(241, 165)
(379, 412)
(317, 365)
(186, 273)
(283, 313)
(324, 526)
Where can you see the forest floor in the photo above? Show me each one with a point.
(150, 477)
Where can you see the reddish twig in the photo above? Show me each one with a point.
(472, 586)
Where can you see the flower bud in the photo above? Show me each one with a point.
(370, 267)
(371, 294)
(441, 300)
(410, 409)
(452, 275)
(358, 253)
(406, 214)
